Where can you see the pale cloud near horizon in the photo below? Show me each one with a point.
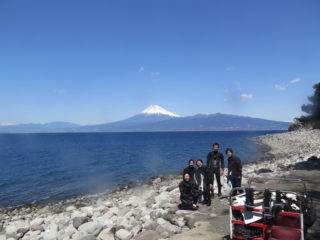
(6, 124)
(284, 86)
(229, 69)
(141, 69)
(246, 96)
(59, 91)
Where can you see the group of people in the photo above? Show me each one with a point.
(197, 184)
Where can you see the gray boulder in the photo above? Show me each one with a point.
(123, 234)
(88, 237)
(78, 221)
(90, 228)
(147, 235)
(106, 234)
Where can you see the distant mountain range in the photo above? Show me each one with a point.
(155, 118)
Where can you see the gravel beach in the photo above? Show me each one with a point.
(149, 211)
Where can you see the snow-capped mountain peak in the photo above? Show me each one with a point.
(155, 109)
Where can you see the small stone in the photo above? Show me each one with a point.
(134, 201)
(70, 208)
(90, 228)
(88, 237)
(37, 228)
(108, 204)
(156, 181)
(37, 221)
(161, 221)
(147, 235)
(123, 234)
(87, 210)
(106, 234)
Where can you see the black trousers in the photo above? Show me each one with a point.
(206, 195)
(236, 182)
(187, 204)
(216, 171)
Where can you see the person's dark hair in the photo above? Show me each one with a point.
(215, 144)
(229, 150)
(191, 160)
(200, 160)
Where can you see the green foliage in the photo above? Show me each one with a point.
(312, 120)
(296, 125)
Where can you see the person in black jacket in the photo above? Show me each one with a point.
(234, 169)
(188, 193)
(190, 169)
(203, 179)
(213, 163)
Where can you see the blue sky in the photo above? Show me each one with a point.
(99, 61)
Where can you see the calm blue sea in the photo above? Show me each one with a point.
(61, 166)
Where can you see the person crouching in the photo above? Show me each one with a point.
(188, 193)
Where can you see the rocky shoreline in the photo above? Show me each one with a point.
(149, 211)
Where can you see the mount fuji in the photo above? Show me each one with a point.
(156, 118)
(157, 110)
(151, 115)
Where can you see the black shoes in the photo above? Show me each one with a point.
(219, 194)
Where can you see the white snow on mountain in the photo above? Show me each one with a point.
(155, 109)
